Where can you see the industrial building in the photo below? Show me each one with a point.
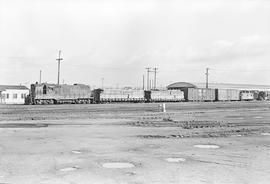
(13, 94)
(180, 86)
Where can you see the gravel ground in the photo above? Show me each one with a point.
(215, 142)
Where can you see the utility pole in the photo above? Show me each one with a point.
(59, 59)
(148, 71)
(207, 74)
(155, 78)
(39, 76)
(143, 82)
(102, 80)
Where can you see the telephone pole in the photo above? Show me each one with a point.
(147, 82)
(207, 74)
(155, 78)
(102, 81)
(143, 82)
(59, 59)
(39, 76)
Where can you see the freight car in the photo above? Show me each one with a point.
(227, 94)
(246, 95)
(264, 95)
(58, 94)
(166, 96)
(121, 95)
(199, 94)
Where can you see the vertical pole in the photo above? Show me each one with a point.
(39, 76)
(143, 82)
(207, 74)
(59, 59)
(148, 70)
(58, 73)
(155, 78)
(102, 80)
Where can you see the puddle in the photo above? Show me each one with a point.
(175, 159)
(66, 169)
(76, 152)
(206, 146)
(117, 165)
(266, 133)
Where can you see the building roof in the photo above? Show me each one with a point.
(181, 85)
(16, 87)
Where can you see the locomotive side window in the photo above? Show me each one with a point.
(44, 90)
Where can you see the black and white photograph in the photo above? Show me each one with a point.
(134, 91)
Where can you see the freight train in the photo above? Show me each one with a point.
(82, 94)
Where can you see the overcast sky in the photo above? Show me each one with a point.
(117, 39)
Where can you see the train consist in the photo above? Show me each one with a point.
(82, 94)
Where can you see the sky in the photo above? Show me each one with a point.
(117, 39)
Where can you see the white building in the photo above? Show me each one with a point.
(10, 94)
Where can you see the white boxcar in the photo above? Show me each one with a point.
(167, 95)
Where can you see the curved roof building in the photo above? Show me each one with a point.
(181, 85)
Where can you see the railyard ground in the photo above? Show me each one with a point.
(71, 144)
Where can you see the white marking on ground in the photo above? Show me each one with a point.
(206, 146)
(266, 133)
(66, 169)
(76, 151)
(175, 159)
(257, 117)
(117, 165)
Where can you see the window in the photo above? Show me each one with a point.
(44, 90)
(15, 96)
(23, 95)
(7, 95)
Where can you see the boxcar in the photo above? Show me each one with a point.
(199, 94)
(227, 94)
(167, 96)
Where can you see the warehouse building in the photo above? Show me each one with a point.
(13, 94)
(180, 86)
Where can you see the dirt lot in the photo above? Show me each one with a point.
(221, 142)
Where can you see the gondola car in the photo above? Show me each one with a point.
(121, 95)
